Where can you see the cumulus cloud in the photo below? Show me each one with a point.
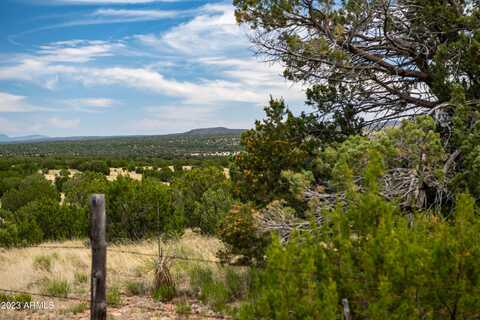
(213, 31)
(203, 92)
(56, 59)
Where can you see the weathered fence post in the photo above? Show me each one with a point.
(98, 303)
(346, 309)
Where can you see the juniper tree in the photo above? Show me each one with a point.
(372, 59)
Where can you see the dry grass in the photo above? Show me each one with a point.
(26, 269)
(67, 271)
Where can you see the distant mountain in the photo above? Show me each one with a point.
(194, 132)
(5, 138)
(215, 130)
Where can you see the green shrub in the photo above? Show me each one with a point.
(164, 293)
(113, 297)
(32, 188)
(56, 222)
(79, 188)
(193, 184)
(29, 232)
(210, 210)
(21, 298)
(43, 262)
(241, 237)
(78, 308)
(209, 289)
(237, 283)
(98, 166)
(372, 255)
(136, 288)
(57, 287)
(80, 277)
(183, 307)
(141, 209)
(8, 231)
(4, 298)
(280, 142)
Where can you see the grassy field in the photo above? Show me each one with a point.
(64, 272)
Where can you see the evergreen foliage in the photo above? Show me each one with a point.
(370, 253)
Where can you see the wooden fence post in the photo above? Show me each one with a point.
(98, 301)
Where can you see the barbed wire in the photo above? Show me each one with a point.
(218, 262)
(174, 257)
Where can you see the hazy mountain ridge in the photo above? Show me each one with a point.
(214, 130)
(29, 138)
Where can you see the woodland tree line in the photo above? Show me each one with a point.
(371, 199)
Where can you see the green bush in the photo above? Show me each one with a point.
(57, 222)
(79, 188)
(32, 188)
(139, 209)
(183, 307)
(210, 210)
(57, 287)
(78, 308)
(43, 262)
(237, 283)
(241, 237)
(21, 298)
(62, 179)
(113, 297)
(98, 166)
(282, 141)
(208, 288)
(136, 288)
(80, 277)
(9, 236)
(205, 190)
(164, 293)
(24, 228)
(372, 255)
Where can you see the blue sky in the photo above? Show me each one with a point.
(115, 67)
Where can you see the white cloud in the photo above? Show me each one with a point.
(61, 123)
(89, 105)
(102, 2)
(211, 41)
(45, 66)
(213, 31)
(139, 14)
(13, 103)
(77, 51)
(214, 41)
(91, 102)
(203, 92)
